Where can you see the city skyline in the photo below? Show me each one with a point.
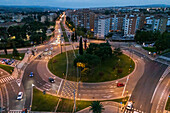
(82, 4)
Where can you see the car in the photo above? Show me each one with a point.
(2, 61)
(46, 50)
(120, 85)
(31, 74)
(51, 80)
(129, 105)
(20, 96)
(149, 53)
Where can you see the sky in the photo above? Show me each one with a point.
(82, 3)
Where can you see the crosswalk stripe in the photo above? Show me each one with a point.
(6, 79)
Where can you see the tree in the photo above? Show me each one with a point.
(102, 50)
(15, 51)
(117, 51)
(96, 107)
(72, 37)
(4, 38)
(88, 59)
(163, 42)
(75, 36)
(81, 46)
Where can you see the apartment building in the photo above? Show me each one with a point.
(117, 22)
(103, 27)
(130, 26)
(159, 23)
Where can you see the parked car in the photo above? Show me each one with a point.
(51, 80)
(20, 96)
(31, 74)
(120, 85)
(2, 61)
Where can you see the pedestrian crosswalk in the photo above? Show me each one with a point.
(15, 111)
(133, 110)
(47, 86)
(68, 89)
(6, 79)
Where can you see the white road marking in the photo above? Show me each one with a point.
(60, 86)
(125, 86)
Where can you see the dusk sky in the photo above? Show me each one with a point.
(82, 3)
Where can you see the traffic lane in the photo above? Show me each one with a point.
(13, 90)
(144, 89)
(27, 81)
(134, 78)
(100, 93)
(161, 96)
(137, 53)
(44, 74)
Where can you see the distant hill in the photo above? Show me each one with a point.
(153, 5)
(30, 8)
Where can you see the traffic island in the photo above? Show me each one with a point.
(112, 68)
(7, 68)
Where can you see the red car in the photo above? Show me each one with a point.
(120, 84)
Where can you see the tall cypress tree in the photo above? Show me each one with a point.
(80, 46)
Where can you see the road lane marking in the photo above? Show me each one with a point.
(125, 86)
(60, 86)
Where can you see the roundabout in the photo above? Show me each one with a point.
(86, 91)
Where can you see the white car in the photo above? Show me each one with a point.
(46, 50)
(20, 96)
(129, 105)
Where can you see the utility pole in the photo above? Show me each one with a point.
(74, 100)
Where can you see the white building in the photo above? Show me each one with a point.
(103, 27)
(168, 22)
(43, 18)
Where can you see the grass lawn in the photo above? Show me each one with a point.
(66, 105)
(20, 57)
(43, 102)
(168, 104)
(7, 68)
(64, 33)
(108, 68)
(151, 49)
(48, 102)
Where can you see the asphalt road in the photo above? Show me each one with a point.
(161, 96)
(145, 87)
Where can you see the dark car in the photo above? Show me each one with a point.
(51, 80)
(120, 85)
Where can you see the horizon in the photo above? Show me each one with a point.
(80, 4)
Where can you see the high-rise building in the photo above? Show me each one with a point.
(130, 26)
(117, 22)
(159, 23)
(103, 27)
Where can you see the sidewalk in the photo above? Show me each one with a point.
(109, 107)
(19, 69)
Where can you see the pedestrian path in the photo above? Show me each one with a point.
(6, 79)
